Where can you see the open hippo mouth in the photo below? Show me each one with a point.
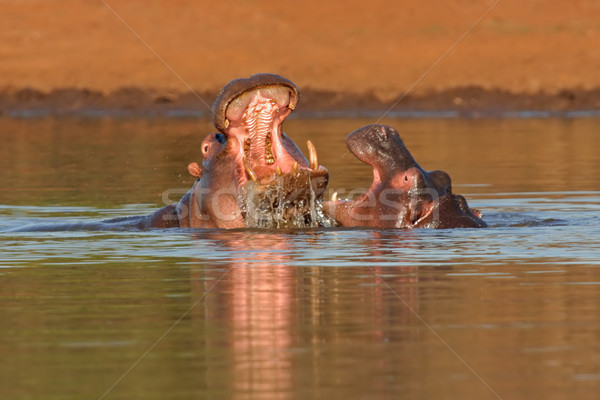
(272, 171)
(402, 195)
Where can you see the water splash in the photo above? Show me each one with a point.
(289, 201)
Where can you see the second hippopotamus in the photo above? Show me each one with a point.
(402, 195)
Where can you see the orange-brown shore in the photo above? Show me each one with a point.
(139, 57)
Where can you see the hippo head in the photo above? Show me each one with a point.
(269, 181)
(402, 195)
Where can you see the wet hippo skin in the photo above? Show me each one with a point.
(402, 195)
(253, 175)
(250, 167)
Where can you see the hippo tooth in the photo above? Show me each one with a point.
(334, 197)
(247, 144)
(278, 171)
(269, 157)
(312, 151)
(295, 166)
(226, 123)
(249, 170)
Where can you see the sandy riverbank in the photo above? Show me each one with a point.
(141, 57)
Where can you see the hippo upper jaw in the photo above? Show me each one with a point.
(230, 101)
(381, 147)
(251, 112)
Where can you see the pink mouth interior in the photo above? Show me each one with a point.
(255, 120)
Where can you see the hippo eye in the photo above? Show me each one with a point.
(220, 138)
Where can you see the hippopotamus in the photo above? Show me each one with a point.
(402, 195)
(252, 173)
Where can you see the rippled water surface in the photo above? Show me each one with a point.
(507, 312)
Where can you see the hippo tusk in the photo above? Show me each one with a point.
(334, 197)
(249, 170)
(295, 166)
(312, 155)
(278, 171)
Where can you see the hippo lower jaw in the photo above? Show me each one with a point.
(280, 187)
(444, 212)
(367, 211)
(452, 211)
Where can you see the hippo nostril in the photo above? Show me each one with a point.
(405, 178)
(205, 149)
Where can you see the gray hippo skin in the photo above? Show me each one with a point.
(402, 195)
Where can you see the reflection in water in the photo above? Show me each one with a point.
(261, 297)
(303, 314)
(330, 313)
(272, 311)
(255, 302)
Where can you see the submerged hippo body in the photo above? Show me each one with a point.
(402, 195)
(252, 173)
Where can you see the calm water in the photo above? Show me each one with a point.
(508, 312)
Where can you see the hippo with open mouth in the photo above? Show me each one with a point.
(402, 195)
(252, 174)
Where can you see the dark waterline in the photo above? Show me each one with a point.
(332, 114)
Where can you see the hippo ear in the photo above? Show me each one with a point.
(441, 181)
(195, 170)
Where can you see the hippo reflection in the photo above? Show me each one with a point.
(402, 195)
